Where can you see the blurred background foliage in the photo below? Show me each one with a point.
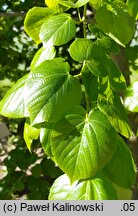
(30, 175)
(22, 174)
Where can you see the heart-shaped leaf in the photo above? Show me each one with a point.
(83, 145)
(58, 29)
(117, 22)
(52, 91)
(81, 49)
(99, 188)
(34, 20)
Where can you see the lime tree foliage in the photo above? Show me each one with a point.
(73, 96)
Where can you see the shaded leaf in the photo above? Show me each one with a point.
(97, 68)
(133, 5)
(121, 169)
(116, 78)
(99, 62)
(45, 134)
(91, 83)
(108, 44)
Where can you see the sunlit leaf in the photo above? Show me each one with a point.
(117, 22)
(30, 133)
(131, 97)
(56, 5)
(13, 105)
(34, 20)
(99, 188)
(96, 3)
(52, 91)
(111, 105)
(44, 53)
(83, 145)
(58, 29)
(81, 49)
(123, 193)
(72, 3)
(80, 3)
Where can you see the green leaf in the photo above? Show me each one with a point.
(81, 146)
(131, 97)
(80, 3)
(133, 5)
(116, 78)
(123, 193)
(117, 22)
(99, 62)
(30, 133)
(99, 188)
(111, 105)
(56, 5)
(81, 49)
(66, 3)
(52, 91)
(52, 3)
(45, 134)
(96, 3)
(108, 44)
(34, 20)
(97, 68)
(44, 53)
(96, 60)
(91, 84)
(121, 169)
(13, 105)
(58, 29)
(72, 3)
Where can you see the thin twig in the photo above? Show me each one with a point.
(12, 14)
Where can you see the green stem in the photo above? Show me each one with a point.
(85, 35)
(86, 96)
(80, 19)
